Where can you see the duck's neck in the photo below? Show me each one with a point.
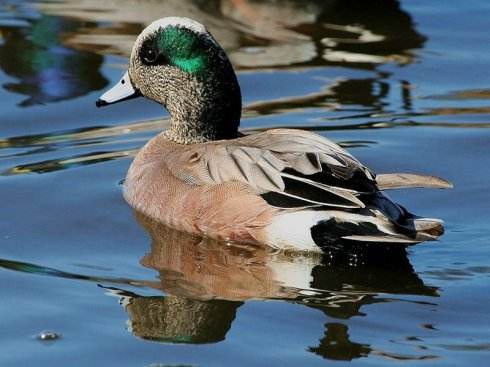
(209, 109)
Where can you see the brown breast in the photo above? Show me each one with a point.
(154, 186)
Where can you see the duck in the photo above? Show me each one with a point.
(289, 189)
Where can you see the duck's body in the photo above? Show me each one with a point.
(285, 188)
(276, 187)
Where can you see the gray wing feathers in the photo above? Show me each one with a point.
(280, 163)
(259, 168)
(260, 160)
(268, 160)
(410, 180)
(305, 163)
(311, 146)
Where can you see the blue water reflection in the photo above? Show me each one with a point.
(45, 70)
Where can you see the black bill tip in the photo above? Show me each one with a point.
(101, 103)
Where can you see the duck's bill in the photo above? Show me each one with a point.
(122, 91)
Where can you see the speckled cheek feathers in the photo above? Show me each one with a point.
(204, 104)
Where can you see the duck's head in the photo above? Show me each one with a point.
(176, 62)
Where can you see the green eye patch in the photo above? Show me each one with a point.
(182, 48)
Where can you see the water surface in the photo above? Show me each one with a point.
(404, 85)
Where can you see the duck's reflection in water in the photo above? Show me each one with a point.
(207, 281)
(177, 319)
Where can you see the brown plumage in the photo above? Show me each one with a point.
(172, 184)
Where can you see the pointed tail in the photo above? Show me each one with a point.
(390, 181)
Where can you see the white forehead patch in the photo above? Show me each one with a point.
(175, 21)
(163, 23)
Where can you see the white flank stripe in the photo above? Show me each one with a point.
(292, 230)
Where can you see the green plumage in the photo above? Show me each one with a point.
(182, 48)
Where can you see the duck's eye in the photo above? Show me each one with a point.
(149, 55)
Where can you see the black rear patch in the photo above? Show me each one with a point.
(329, 232)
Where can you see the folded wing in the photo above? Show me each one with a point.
(290, 168)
